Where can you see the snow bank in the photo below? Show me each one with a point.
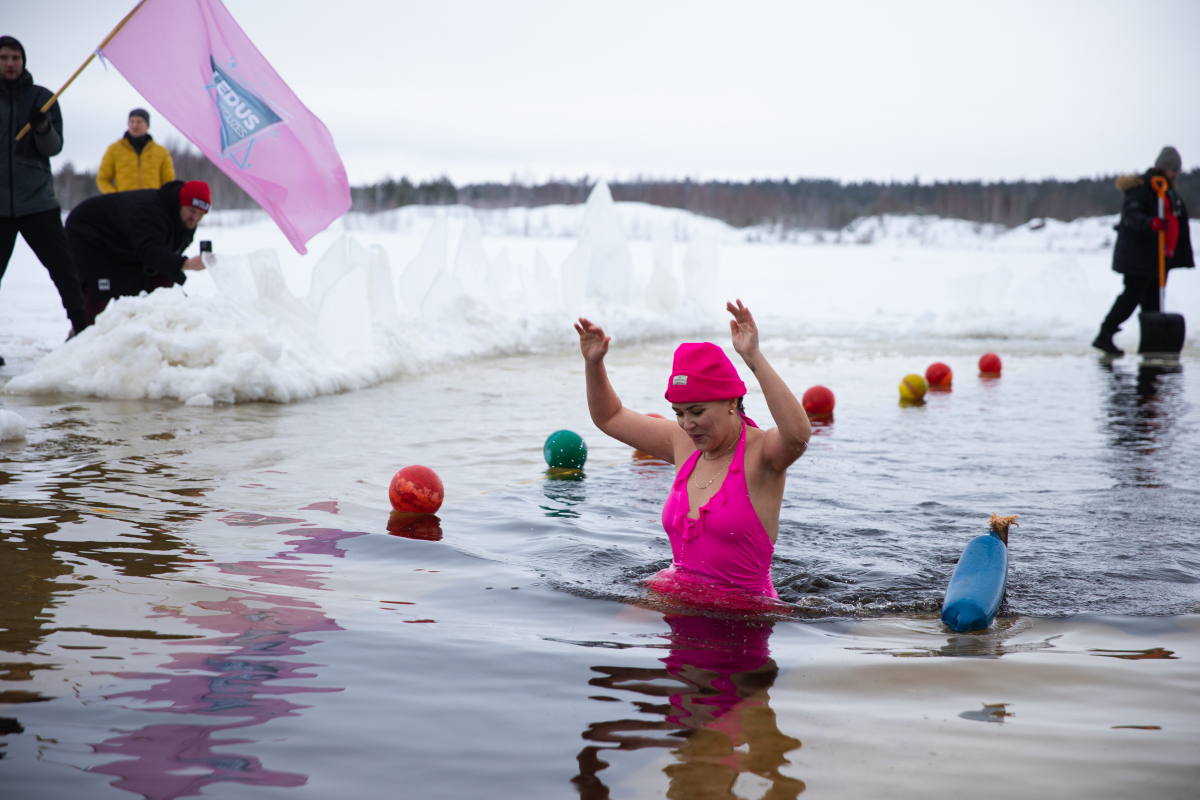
(241, 334)
(12, 426)
(411, 289)
(1084, 235)
(644, 222)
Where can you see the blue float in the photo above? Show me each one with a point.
(977, 585)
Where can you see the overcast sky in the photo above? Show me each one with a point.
(859, 90)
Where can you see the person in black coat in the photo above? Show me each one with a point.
(27, 202)
(127, 243)
(1136, 252)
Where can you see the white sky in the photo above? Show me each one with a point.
(862, 90)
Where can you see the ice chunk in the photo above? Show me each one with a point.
(275, 299)
(232, 277)
(543, 292)
(664, 292)
(471, 261)
(344, 321)
(500, 279)
(610, 267)
(574, 277)
(445, 299)
(337, 294)
(12, 426)
(701, 268)
(423, 270)
(380, 291)
(335, 263)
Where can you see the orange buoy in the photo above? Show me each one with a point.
(989, 366)
(939, 375)
(416, 490)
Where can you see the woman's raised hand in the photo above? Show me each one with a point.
(592, 341)
(745, 332)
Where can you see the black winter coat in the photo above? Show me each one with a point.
(26, 183)
(1136, 252)
(124, 237)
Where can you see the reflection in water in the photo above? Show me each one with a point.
(236, 678)
(35, 556)
(990, 643)
(564, 488)
(132, 503)
(717, 720)
(1140, 411)
(991, 712)
(822, 427)
(1135, 655)
(427, 527)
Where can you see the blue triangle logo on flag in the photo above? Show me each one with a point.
(244, 116)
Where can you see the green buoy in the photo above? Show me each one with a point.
(565, 450)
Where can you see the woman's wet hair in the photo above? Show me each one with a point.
(741, 405)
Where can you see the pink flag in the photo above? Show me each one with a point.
(193, 63)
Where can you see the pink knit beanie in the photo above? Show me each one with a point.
(702, 372)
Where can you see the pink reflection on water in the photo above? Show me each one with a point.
(160, 752)
(238, 677)
(317, 541)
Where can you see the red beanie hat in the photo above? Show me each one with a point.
(195, 193)
(702, 372)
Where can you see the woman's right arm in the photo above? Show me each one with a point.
(648, 434)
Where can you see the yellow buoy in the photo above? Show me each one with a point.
(913, 387)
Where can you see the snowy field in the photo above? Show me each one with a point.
(380, 296)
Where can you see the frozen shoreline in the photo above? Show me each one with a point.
(404, 291)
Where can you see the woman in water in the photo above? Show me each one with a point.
(722, 515)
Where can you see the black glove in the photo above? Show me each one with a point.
(38, 120)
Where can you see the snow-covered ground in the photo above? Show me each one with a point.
(380, 296)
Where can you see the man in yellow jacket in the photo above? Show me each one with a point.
(135, 161)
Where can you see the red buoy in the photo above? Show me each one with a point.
(818, 403)
(939, 375)
(989, 365)
(417, 490)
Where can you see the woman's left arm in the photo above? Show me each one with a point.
(788, 440)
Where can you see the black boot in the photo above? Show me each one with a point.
(1103, 341)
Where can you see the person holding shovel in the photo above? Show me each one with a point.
(1136, 253)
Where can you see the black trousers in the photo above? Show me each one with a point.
(44, 234)
(1140, 290)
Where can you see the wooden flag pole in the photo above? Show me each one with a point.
(107, 39)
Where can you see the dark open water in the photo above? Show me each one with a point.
(210, 601)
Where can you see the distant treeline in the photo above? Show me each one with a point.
(806, 204)
(72, 187)
(801, 204)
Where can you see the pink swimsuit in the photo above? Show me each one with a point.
(727, 547)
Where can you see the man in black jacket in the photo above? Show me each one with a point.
(27, 202)
(1136, 251)
(126, 243)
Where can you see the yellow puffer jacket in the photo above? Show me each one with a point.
(123, 169)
